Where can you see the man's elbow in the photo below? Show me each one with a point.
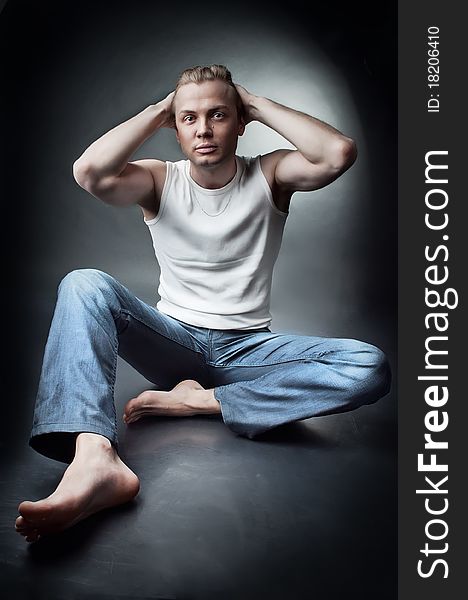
(82, 174)
(87, 178)
(107, 189)
(349, 152)
(344, 154)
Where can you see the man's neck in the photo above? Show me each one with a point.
(214, 177)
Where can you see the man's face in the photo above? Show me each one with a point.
(207, 123)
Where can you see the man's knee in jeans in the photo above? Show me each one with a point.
(85, 279)
(378, 377)
(90, 287)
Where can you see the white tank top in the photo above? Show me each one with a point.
(216, 248)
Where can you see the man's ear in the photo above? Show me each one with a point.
(241, 127)
(176, 134)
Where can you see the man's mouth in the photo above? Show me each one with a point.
(205, 148)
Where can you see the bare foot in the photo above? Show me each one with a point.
(96, 479)
(186, 399)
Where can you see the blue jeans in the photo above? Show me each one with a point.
(261, 379)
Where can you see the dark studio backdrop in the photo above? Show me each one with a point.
(74, 70)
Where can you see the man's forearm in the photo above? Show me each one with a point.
(109, 155)
(316, 141)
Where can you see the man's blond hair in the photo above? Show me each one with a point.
(200, 74)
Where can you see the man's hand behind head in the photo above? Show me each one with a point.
(246, 98)
(168, 110)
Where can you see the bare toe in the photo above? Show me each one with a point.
(23, 526)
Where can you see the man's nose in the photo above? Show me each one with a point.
(204, 128)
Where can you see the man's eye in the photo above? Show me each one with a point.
(188, 118)
(218, 115)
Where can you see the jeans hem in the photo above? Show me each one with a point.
(225, 409)
(228, 415)
(57, 440)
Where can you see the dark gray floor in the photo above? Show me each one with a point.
(305, 511)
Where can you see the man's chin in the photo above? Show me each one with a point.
(207, 161)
